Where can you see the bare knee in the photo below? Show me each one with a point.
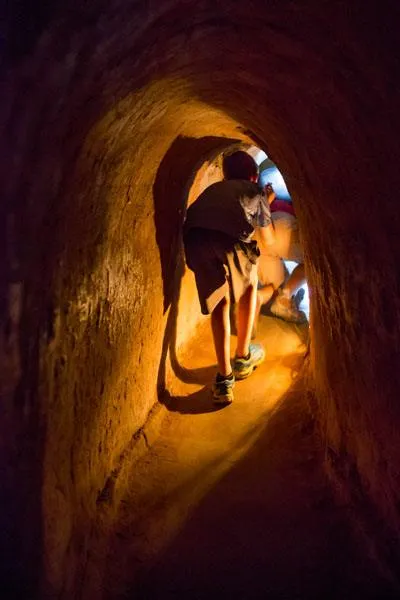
(221, 306)
(252, 289)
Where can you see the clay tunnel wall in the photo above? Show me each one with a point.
(107, 112)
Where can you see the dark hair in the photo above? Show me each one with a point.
(239, 165)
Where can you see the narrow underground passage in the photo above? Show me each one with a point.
(234, 503)
(96, 168)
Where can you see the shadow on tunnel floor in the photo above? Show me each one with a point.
(192, 404)
(200, 375)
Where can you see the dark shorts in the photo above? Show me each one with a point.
(221, 264)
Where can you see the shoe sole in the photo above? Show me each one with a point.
(222, 400)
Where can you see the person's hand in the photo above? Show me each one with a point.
(269, 192)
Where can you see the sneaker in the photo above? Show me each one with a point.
(243, 367)
(286, 309)
(223, 389)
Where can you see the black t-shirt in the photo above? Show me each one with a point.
(233, 206)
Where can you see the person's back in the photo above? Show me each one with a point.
(232, 206)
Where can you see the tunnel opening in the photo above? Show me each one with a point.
(171, 202)
(170, 180)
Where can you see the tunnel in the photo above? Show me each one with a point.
(114, 117)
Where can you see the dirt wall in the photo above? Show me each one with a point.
(108, 111)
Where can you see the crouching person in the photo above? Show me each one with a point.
(287, 246)
(220, 251)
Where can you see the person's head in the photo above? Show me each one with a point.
(240, 165)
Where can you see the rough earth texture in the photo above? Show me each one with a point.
(108, 110)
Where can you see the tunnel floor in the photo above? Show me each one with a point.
(233, 503)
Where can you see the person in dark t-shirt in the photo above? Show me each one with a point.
(219, 249)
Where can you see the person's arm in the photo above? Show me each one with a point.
(266, 238)
(265, 229)
(269, 192)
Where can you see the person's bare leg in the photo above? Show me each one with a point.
(295, 281)
(264, 294)
(245, 319)
(284, 305)
(221, 330)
